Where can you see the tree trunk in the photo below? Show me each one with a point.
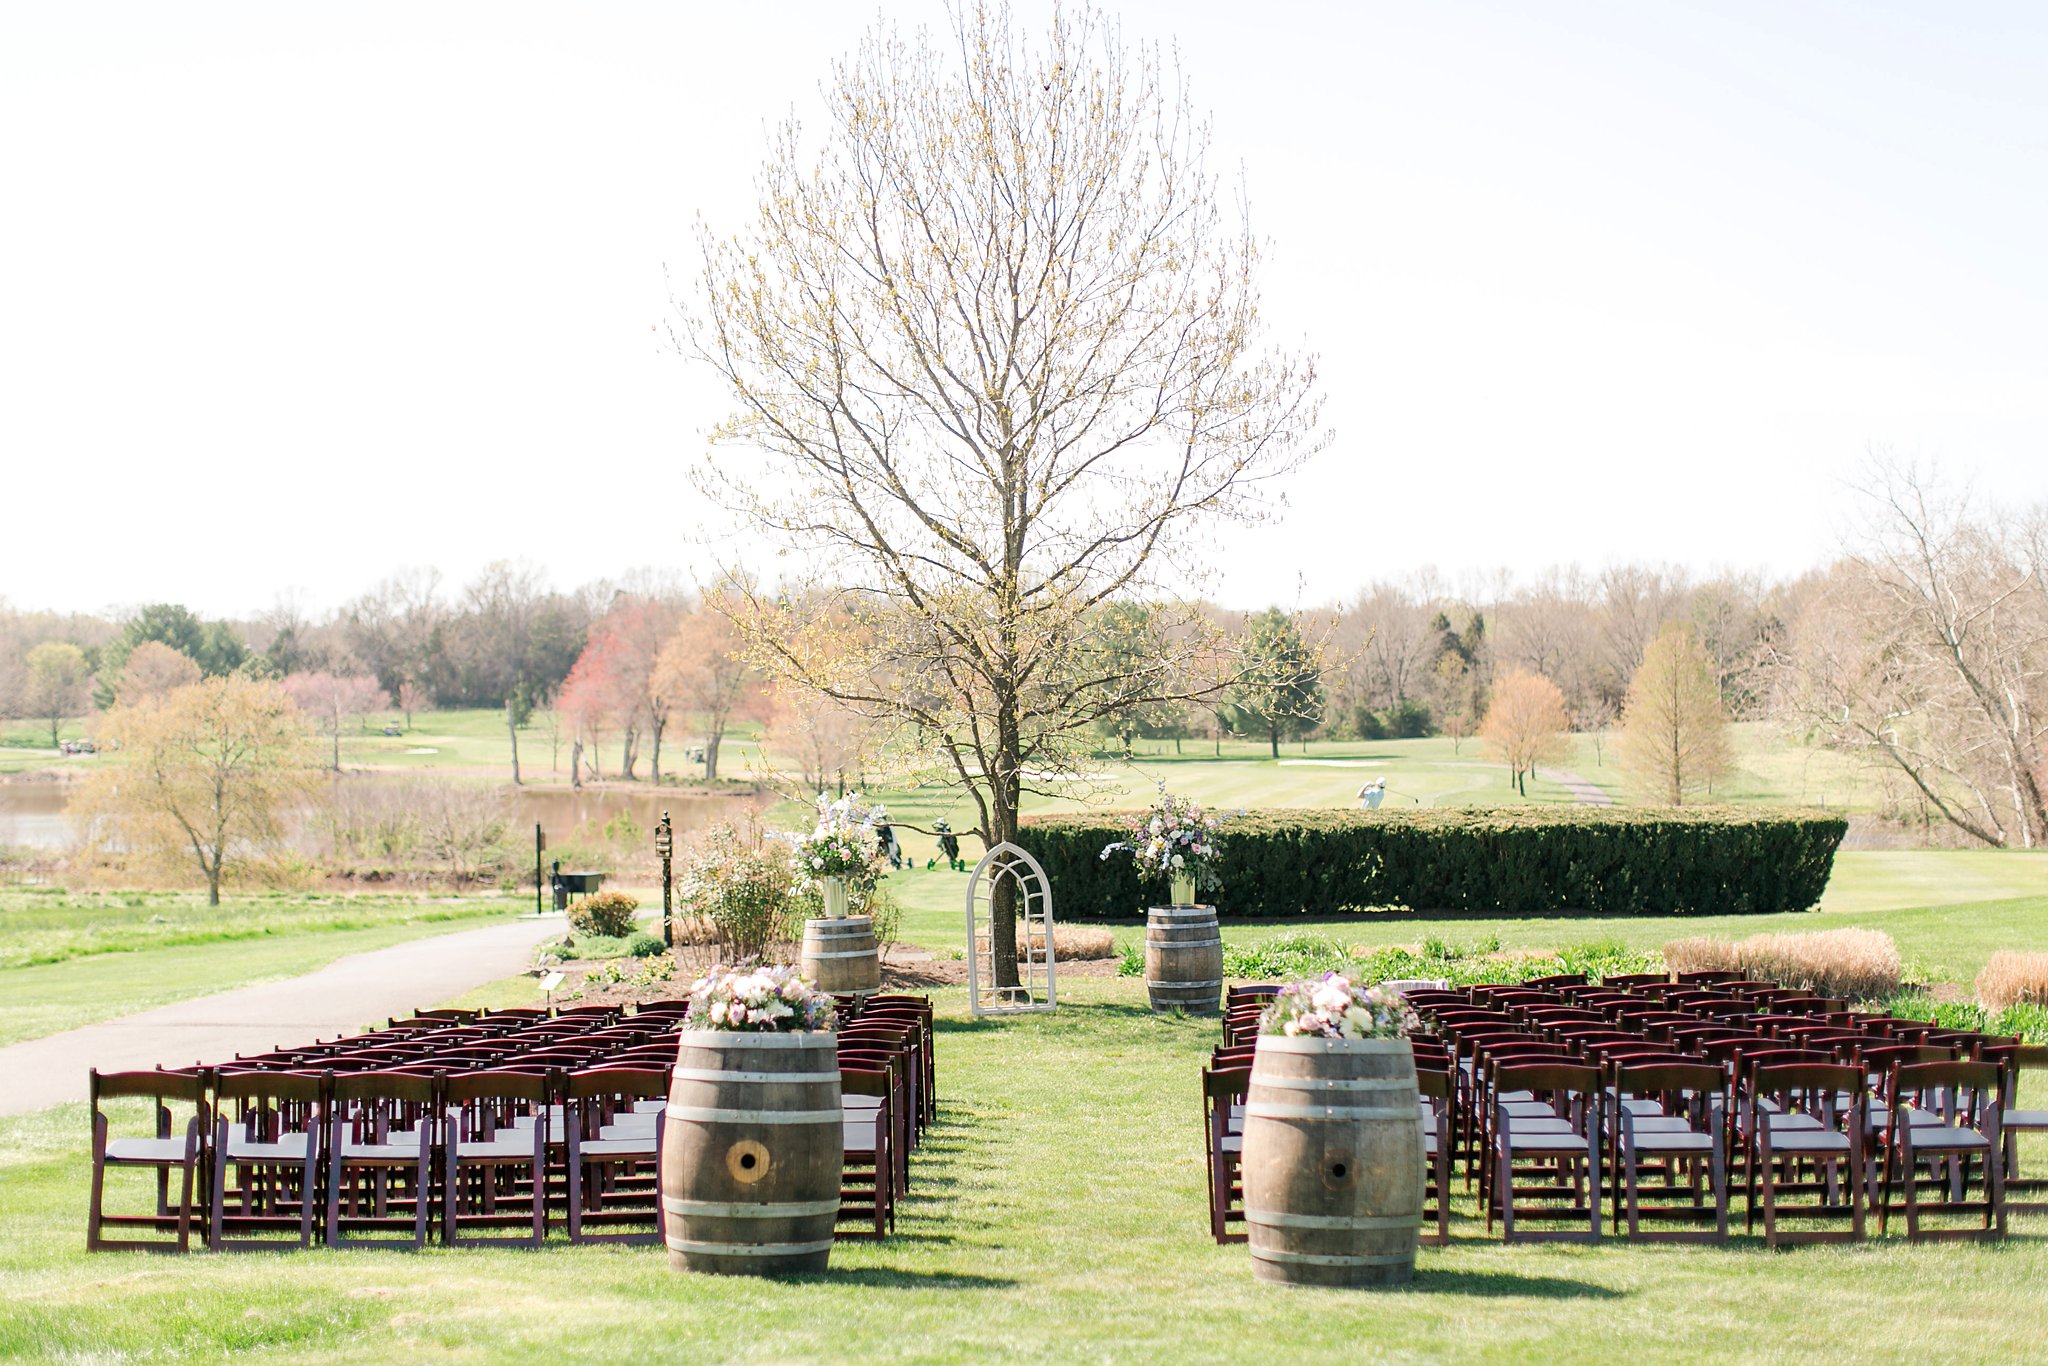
(1273, 729)
(629, 745)
(1004, 794)
(576, 762)
(53, 731)
(512, 730)
(337, 745)
(711, 743)
(654, 754)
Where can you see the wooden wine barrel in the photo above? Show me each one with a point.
(1184, 959)
(839, 955)
(1332, 1161)
(752, 1152)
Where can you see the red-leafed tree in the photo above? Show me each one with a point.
(617, 684)
(331, 701)
(587, 704)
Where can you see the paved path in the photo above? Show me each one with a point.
(337, 999)
(1583, 792)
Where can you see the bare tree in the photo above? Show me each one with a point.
(332, 701)
(1928, 650)
(996, 352)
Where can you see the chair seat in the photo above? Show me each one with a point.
(1949, 1140)
(630, 1126)
(404, 1151)
(287, 1148)
(509, 1143)
(1672, 1141)
(1558, 1143)
(2025, 1119)
(1818, 1141)
(153, 1150)
(618, 1147)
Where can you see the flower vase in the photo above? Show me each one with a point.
(835, 898)
(1183, 889)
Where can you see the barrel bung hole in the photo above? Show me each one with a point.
(747, 1161)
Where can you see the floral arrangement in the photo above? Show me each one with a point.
(843, 844)
(773, 999)
(1335, 1007)
(1176, 838)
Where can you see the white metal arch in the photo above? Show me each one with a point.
(1037, 966)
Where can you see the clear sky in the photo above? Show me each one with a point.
(292, 295)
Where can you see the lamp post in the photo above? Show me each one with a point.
(665, 848)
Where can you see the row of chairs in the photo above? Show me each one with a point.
(1652, 1091)
(490, 1129)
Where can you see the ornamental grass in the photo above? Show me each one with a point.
(2012, 978)
(1857, 965)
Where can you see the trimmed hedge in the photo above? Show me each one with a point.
(1525, 861)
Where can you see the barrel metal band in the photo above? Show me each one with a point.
(1336, 1083)
(853, 953)
(725, 1209)
(748, 1249)
(1163, 982)
(1278, 1219)
(1183, 943)
(1267, 1254)
(1266, 1109)
(711, 1114)
(714, 1074)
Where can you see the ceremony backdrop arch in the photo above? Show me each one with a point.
(1037, 966)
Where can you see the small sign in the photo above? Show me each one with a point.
(550, 982)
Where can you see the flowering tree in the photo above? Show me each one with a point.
(154, 669)
(997, 359)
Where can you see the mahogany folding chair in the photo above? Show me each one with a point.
(163, 1154)
(1962, 1102)
(1563, 1148)
(614, 1151)
(1223, 1098)
(382, 1132)
(2021, 1063)
(490, 1158)
(266, 1159)
(1667, 1111)
(1806, 1117)
(867, 1193)
(1434, 1087)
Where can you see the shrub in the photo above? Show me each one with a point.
(1547, 861)
(645, 946)
(742, 887)
(2012, 978)
(609, 914)
(1071, 943)
(882, 907)
(1306, 954)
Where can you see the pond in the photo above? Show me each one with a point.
(32, 813)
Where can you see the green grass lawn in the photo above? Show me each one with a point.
(68, 960)
(1057, 1215)
(1949, 910)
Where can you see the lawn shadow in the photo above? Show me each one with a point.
(1501, 1284)
(899, 1278)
